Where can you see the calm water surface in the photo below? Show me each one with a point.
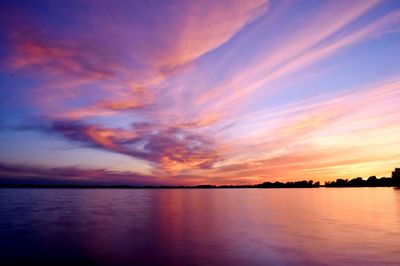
(343, 226)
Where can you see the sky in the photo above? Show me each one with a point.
(198, 92)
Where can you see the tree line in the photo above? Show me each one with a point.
(372, 181)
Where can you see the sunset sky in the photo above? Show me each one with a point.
(195, 92)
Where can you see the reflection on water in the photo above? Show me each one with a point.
(335, 226)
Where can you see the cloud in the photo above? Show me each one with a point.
(207, 25)
(172, 149)
(314, 41)
(23, 174)
(169, 34)
(36, 51)
(122, 56)
(320, 136)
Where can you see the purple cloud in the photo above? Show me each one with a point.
(174, 149)
(23, 174)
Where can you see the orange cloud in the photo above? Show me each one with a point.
(320, 139)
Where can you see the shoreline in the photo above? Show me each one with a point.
(177, 187)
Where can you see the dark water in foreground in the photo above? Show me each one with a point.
(334, 226)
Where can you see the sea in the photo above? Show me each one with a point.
(295, 226)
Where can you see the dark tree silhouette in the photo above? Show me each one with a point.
(372, 181)
(396, 177)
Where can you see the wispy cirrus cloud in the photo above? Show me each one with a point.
(322, 136)
(182, 31)
(294, 56)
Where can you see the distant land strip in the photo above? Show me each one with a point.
(372, 181)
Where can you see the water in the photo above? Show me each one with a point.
(326, 226)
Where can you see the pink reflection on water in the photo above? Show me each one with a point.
(326, 226)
